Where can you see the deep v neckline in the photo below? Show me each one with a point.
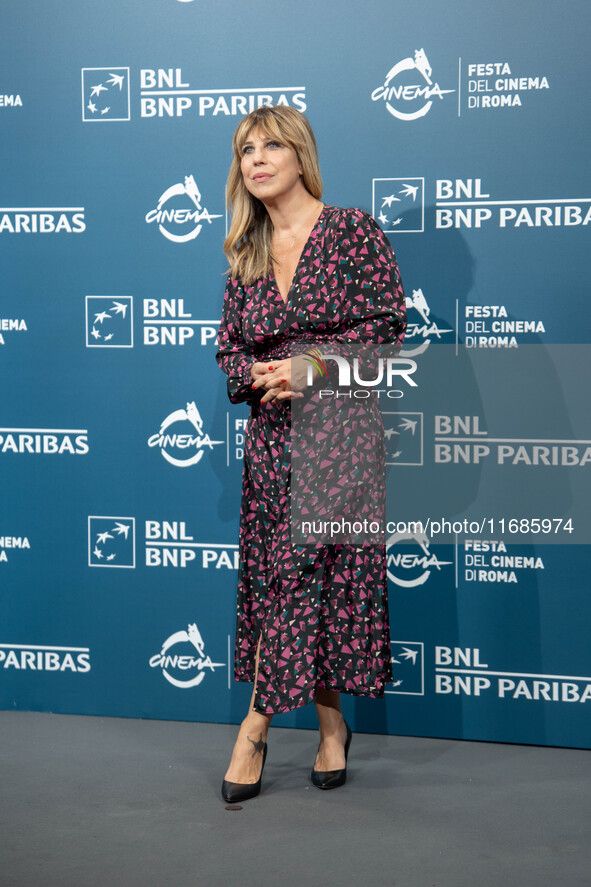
(272, 277)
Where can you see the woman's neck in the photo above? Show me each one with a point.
(291, 212)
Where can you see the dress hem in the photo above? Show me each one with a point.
(292, 705)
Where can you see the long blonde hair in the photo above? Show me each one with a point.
(248, 244)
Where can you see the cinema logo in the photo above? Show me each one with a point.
(489, 326)
(183, 448)
(409, 560)
(495, 85)
(11, 101)
(12, 325)
(8, 544)
(182, 658)
(239, 437)
(169, 544)
(421, 329)
(459, 671)
(37, 657)
(166, 322)
(404, 98)
(165, 93)
(44, 441)
(179, 213)
(42, 220)
(488, 561)
(462, 203)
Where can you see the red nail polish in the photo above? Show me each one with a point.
(270, 368)
(283, 380)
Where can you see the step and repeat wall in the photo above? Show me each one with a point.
(464, 130)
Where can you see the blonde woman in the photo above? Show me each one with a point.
(311, 623)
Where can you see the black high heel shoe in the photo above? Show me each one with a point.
(234, 792)
(333, 778)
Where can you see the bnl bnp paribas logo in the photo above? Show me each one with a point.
(179, 213)
(403, 432)
(111, 541)
(408, 90)
(398, 204)
(109, 321)
(181, 438)
(105, 94)
(408, 668)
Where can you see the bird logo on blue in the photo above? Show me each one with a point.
(109, 321)
(407, 668)
(404, 438)
(111, 541)
(105, 94)
(398, 205)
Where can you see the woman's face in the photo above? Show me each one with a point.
(269, 168)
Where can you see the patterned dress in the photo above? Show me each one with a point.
(321, 611)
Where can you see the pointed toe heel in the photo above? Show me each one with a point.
(333, 778)
(235, 792)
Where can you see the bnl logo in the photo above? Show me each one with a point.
(408, 668)
(404, 438)
(109, 321)
(111, 541)
(398, 205)
(105, 94)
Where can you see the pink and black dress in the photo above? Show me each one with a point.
(321, 611)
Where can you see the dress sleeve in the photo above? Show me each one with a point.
(234, 356)
(366, 263)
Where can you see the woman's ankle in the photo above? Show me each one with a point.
(257, 722)
(330, 718)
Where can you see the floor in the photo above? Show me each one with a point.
(106, 801)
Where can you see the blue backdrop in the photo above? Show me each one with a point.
(464, 130)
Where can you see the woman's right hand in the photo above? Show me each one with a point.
(276, 377)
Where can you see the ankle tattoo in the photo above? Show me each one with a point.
(258, 746)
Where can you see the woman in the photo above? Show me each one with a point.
(302, 274)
